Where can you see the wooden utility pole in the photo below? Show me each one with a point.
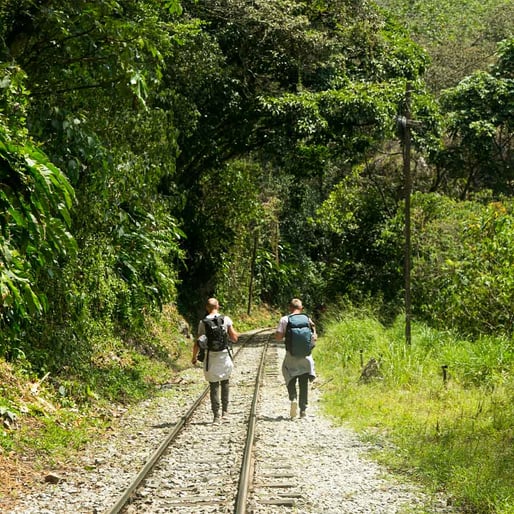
(405, 124)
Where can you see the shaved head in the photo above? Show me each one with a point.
(212, 304)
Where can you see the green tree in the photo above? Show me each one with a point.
(305, 90)
(94, 72)
(464, 251)
(480, 112)
(36, 202)
(460, 36)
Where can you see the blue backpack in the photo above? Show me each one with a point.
(299, 335)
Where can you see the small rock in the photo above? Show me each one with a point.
(53, 478)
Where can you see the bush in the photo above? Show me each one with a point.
(464, 251)
(454, 434)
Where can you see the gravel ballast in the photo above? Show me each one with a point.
(330, 468)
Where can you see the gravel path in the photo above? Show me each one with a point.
(331, 468)
(333, 472)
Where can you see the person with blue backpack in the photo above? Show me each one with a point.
(299, 333)
(213, 347)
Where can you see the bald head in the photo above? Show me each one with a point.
(212, 305)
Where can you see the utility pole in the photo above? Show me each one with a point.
(404, 124)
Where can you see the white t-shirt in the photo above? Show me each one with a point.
(220, 363)
(282, 326)
(227, 322)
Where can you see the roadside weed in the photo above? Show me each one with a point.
(441, 409)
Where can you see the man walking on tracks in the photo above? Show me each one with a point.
(300, 337)
(212, 347)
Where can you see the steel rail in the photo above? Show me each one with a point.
(123, 500)
(152, 461)
(244, 480)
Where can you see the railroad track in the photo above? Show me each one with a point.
(205, 468)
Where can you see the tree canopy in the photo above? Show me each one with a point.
(158, 151)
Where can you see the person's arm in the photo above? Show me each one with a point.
(313, 330)
(314, 333)
(281, 330)
(234, 336)
(196, 349)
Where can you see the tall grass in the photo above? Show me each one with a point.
(453, 429)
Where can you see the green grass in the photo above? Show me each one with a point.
(56, 413)
(455, 435)
(261, 316)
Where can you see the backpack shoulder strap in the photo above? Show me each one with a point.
(217, 320)
(306, 322)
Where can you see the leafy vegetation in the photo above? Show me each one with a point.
(36, 200)
(155, 153)
(459, 35)
(451, 428)
(183, 146)
(465, 252)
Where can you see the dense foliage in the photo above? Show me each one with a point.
(155, 152)
(465, 251)
(77, 81)
(36, 200)
(466, 223)
(460, 35)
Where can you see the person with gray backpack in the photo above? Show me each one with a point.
(299, 333)
(213, 347)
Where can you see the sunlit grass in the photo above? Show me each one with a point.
(455, 434)
(56, 414)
